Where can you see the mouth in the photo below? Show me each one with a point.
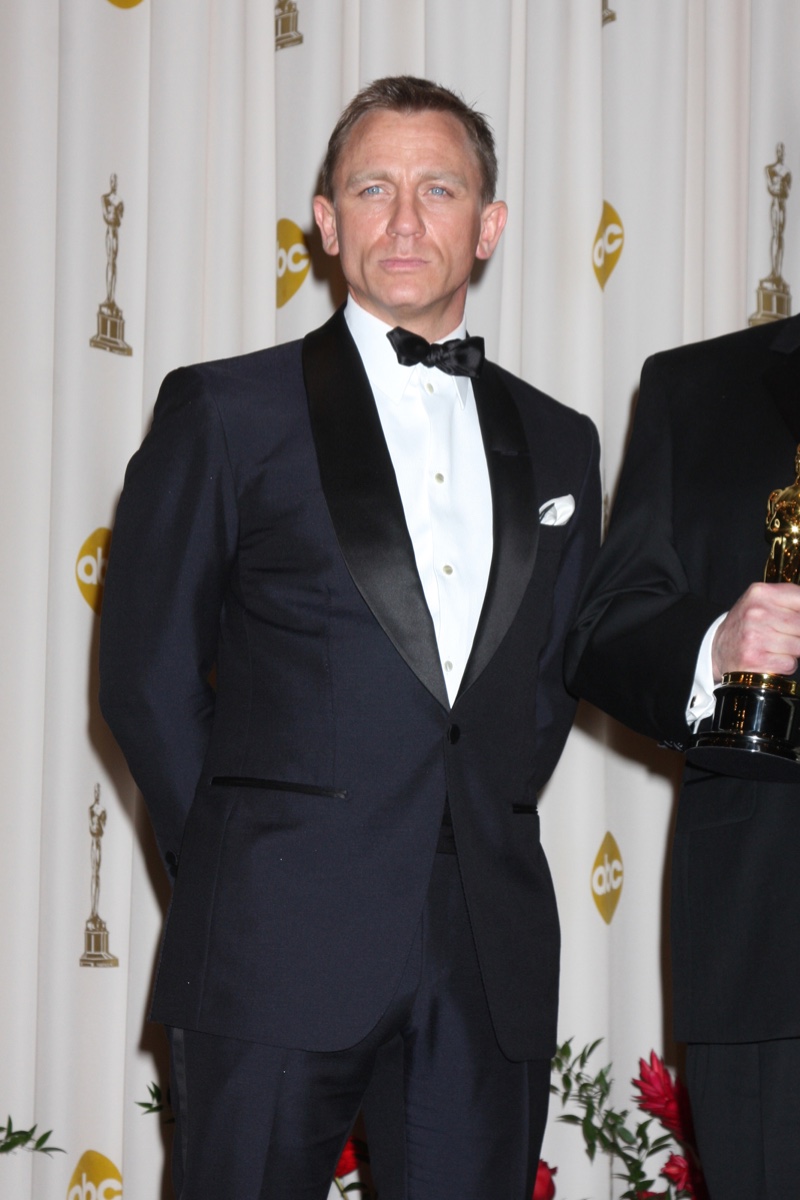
(402, 264)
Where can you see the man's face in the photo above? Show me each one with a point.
(407, 218)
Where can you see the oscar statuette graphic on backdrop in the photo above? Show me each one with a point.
(110, 321)
(95, 950)
(772, 294)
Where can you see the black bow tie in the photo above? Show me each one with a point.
(460, 356)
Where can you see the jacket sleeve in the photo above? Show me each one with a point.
(634, 647)
(172, 551)
(555, 706)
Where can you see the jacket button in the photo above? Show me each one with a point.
(453, 734)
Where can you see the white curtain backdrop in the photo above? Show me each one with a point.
(633, 138)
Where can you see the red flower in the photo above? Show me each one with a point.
(678, 1171)
(663, 1096)
(348, 1162)
(544, 1188)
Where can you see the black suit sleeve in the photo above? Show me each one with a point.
(634, 648)
(555, 704)
(173, 546)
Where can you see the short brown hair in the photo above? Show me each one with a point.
(407, 94)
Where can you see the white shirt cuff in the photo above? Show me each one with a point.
(701, 700)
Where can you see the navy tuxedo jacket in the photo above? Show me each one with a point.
(260, 532)
(716, 429)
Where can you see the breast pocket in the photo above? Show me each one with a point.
(277, 785)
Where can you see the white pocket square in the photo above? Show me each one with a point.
(558, 511)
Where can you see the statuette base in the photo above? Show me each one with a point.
(110, 330)
(755, 730)
(96, 952)
(774, 301)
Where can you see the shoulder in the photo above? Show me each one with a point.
(231, 393)
(723, 359)
(541, 414)
(240, 374)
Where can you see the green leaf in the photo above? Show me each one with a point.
(16, 1140)
(589, 1135)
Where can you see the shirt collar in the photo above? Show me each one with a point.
(380, 361)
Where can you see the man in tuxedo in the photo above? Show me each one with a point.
(675, 600)
(378, 543)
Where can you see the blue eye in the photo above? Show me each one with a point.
(438, 190)
(373, 190)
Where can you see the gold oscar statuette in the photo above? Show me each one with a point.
(755, 730)
(95, 936)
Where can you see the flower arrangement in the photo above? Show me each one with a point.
(605, 1128)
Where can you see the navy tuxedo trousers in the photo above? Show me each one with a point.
(449, 1117)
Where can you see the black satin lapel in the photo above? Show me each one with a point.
(515, 518)
(782, 377)
(361, 491)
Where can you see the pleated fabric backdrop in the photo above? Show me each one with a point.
(633, 139)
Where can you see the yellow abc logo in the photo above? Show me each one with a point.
(607, 877)
(608, 244)
(95, 1178)
(90, 567)
(125, 3)
(293, 261)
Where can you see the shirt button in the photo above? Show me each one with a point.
(453, 734)
(429, 388)
(448, 570)
(448, 666)
(439, 477)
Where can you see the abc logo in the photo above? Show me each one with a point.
(293, 261)
(95, 1178)
(608, 244)
(607, 877)
(90, 567)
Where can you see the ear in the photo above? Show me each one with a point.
(493, 222)
(325, 216)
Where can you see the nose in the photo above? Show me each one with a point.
(406, 218)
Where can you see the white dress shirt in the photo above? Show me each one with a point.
(431, 427)
(701, 702)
